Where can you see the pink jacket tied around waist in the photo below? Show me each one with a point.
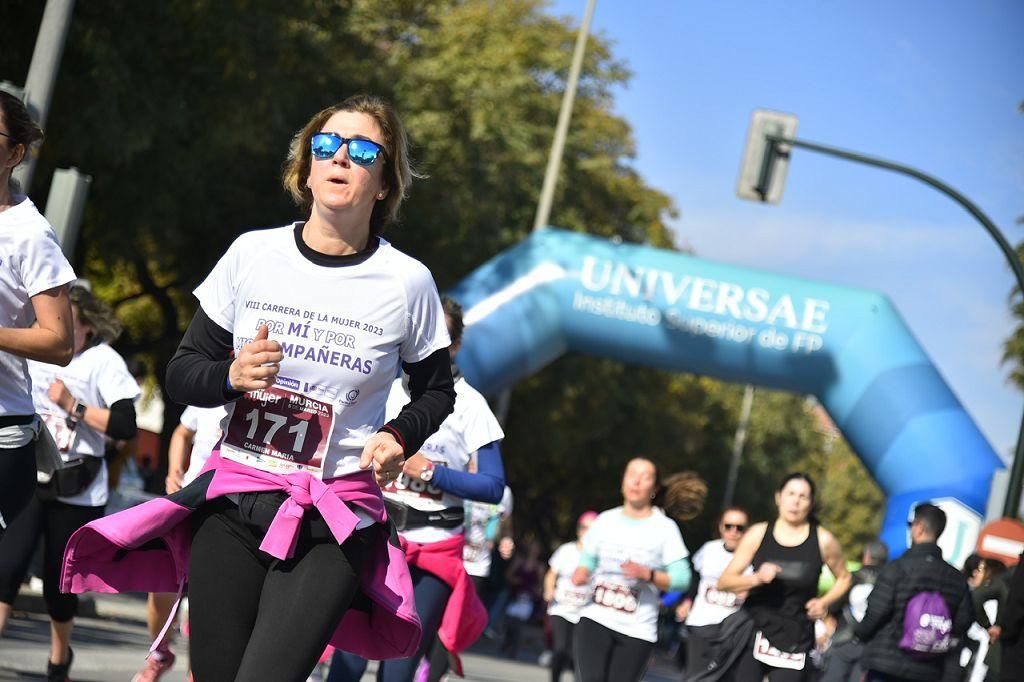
(465, 617)
(146, 548)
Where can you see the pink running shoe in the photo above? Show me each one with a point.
(159, 662)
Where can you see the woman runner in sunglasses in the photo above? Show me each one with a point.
(630, 554)
(706, 606)
(427, 501)
(33, 287)
(290, 549)
(787, 557)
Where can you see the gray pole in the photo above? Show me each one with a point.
(737, 445)
(547, 193)
(53, 30)
(1011, 505)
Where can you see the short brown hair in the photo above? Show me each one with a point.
(398, 170)
(96, 314)
(453, 311)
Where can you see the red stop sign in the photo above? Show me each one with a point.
(1003, 540)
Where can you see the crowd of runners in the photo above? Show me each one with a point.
(336, 492)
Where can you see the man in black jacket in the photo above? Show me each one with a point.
(920, 569)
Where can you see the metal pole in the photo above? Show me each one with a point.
(547, 193)
(1013, 492)
(737, 446)
(53, 30)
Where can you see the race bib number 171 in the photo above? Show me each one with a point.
(279, 431)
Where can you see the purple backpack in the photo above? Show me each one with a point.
(927, 625)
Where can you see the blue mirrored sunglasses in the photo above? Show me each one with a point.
(360, 151)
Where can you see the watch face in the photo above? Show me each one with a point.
(427, 473)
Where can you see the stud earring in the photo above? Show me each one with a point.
(380, 195)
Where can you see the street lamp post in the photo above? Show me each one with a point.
(767, 184)
(547, 192)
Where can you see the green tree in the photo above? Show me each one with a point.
(852, 503)
(1013, 347)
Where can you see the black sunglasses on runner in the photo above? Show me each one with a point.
(734, 526)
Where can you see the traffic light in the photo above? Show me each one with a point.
(765, 161)
(65, 204)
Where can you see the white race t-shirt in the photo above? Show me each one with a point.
(31, 262)
(482, 520)
(569, 598)
(711, 605)
(627, 605)
(343, 331)
(97, 377)
(205, 423)
(468, 428)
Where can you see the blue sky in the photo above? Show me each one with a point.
(933, 84)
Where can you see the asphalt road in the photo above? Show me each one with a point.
(111, 642)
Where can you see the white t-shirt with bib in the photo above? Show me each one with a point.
(97, 377)
(31, 262)
(627, 605)
(205, 424)
(481, 519)
(711, 605)
(343, 331)
(569, 598)
(468, 428)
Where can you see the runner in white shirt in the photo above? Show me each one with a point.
(564, 598)
(195, 437)
(81, 404)
(33, 278)
(484, 523)
(709, 606)
(630, 553)
(426, 502)
(318, 316)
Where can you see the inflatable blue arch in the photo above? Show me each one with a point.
(560, 291)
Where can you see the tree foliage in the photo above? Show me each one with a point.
(1013, 347)
(182, 112)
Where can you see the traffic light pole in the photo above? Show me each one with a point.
(776, 147)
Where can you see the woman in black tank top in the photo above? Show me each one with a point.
(787, 556)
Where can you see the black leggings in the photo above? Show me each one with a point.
(604, 655)
(254, 617)
(438, 654)
(561, 654)
(17, 481)
(54, 522)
